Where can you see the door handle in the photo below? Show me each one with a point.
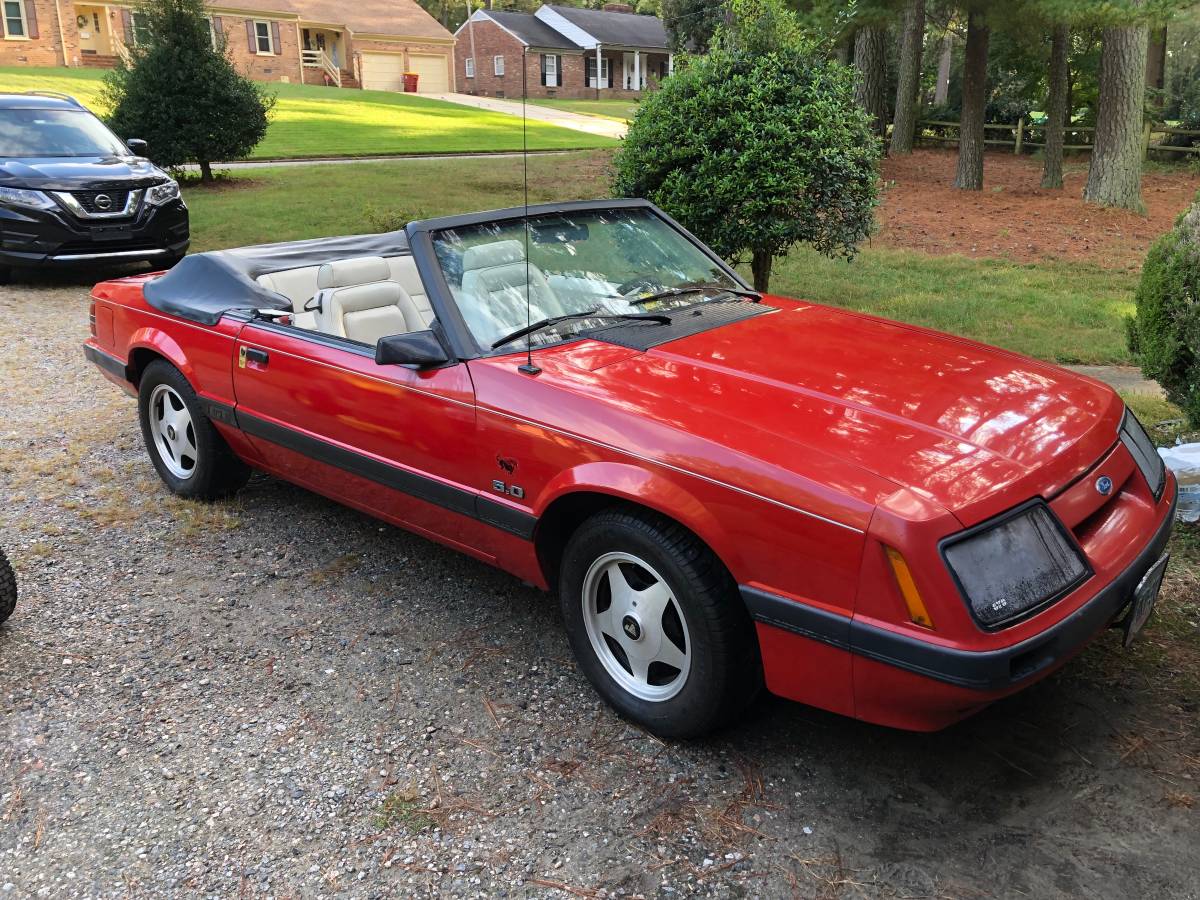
(258, 358)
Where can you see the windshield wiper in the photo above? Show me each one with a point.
(698, 289)
(590, 314)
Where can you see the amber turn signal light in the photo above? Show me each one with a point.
(908, 589)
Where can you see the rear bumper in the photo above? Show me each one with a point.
(906, 682)
(42, 239)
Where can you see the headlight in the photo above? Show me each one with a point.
(162, 193)
(1012, 565)
(1141, 448)
(28, 199)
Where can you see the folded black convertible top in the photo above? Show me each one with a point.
(203, 286)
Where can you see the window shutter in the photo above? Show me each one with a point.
(31, 18)
(216, 20)
(275, 37)
(127, 27)
(589, 68)
(250, 36)
(542, 63)
(558, 75)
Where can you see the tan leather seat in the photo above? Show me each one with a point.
(357, 299)
(493, 287)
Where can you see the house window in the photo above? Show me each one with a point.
(262, 37)
(549, 70)
(498, 65)
(470, 67)
(141, 28)
(15, 25)
(604, 72)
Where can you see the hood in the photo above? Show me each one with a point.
(80, 173)
(809, 387)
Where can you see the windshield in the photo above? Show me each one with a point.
(43, 133)
(594, 261)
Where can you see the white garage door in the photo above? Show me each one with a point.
(432, 69)
(383, 71)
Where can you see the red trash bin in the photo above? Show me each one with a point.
(410, 82)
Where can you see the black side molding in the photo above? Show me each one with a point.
(106, 361)
(985, 670)
(450, 497)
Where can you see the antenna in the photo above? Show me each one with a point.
(527, 368)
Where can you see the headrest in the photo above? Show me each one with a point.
(485, 256)
(358, 297)
(345, 272)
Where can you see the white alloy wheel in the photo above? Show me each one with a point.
(174, 434)
(636, 627)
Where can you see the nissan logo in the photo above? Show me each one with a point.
(1104, 485)
(103, 201)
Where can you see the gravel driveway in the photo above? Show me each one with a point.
(281, 697)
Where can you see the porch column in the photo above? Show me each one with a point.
(599, 67)
(670, 64)
(637, 70)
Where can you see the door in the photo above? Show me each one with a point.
(383, 71)
(385, 439)
(92, 23)
(435, 77)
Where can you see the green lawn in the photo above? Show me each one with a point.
(621, 110)
(320, 121)
(1054, 311)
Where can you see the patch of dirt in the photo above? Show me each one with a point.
(1014, 218)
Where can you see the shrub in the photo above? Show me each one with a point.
(185, 99)
(757, 147)
(1165, 332)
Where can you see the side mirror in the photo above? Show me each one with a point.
(137, 146)
(418, 349)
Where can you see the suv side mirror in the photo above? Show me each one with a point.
(418, 349)
(137, 146)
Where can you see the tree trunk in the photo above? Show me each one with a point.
(1115, 175)
(205, 171)
(869, 57)
(760, 265)
(1156, 66)
(1056, 105)
(969, 176)
(908, 80)
(942, 90)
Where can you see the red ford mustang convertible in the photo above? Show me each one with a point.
(726, 490)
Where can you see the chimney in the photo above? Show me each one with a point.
(617, 7)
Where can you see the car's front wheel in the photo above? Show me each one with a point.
(8, 588)
(189, 454)
(656, 623)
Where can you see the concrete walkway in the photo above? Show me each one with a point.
(1127, 379)
(591, 124)
(351, 160)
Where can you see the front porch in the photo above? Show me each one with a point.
(626, 72)
(325, 56)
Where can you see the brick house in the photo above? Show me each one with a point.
(368, 43)
(566, 52)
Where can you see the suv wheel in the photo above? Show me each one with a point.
(191, 457)
(8, 588)
(657, 625)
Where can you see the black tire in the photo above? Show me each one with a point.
(8, 588)
(725, 672)
(169, 262)
(216, 471)
(5, 275)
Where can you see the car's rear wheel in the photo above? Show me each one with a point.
(8, 588)
(189, 454)
(656, 623)
(5, 275)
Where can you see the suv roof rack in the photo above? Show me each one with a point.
(58, 95)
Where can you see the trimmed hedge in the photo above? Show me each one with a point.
(1165, 332)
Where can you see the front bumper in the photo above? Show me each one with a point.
(906, 682)
(52, 238)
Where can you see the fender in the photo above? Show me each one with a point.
(152, 338)
(645, 488)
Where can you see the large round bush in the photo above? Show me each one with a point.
(1165, 333)
(756, 152)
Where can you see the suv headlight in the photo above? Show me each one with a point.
(162, 193)
(1142, 449)
(1014, 564)
(28, 199)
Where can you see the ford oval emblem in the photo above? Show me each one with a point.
(1104, 485)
